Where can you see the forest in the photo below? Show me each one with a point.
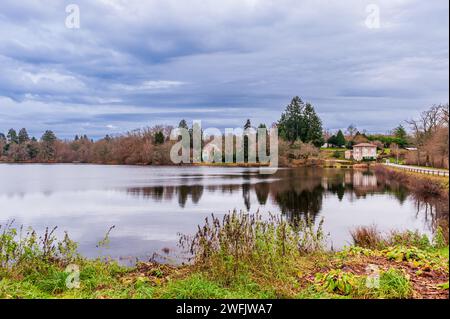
(150, 145)
(424, 141)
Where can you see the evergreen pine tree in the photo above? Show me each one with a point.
(340, 139)
(313, 127)
(400, 132)
(48, 145)
(159, 137)
(23, 136)
(12, 136)
(332, 140)
(291, 124)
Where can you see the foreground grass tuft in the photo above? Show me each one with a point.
(394, 284)
(239, 256)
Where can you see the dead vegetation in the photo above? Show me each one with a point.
(418, 184)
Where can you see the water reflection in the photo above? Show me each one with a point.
(298, 193)
(433, 211)
(150, 205)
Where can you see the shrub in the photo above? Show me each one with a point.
(338, 154)
(408, 239)
(405, 254)
(393, 284)
(240, 244)
(25, 249)
(370, 237)
(300, 150)
(337, 281)
(440, 238)
(367, 237)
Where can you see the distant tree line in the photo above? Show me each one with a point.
(299, 126)
(20, 147)
(398, 137)
(337, 140)
(300, 136)
(144, 146)
(426, 144)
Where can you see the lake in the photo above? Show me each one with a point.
(149, 206)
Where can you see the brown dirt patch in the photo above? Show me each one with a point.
(424, 283)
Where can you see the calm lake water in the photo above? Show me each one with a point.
(149, 206)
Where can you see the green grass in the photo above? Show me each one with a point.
(197, 286)
(443, 252)
(394, 285)
(16, 289)
(393, 160)
(443, 286)
(99, 280)
(94, 277)
(276, 261)
(391, 284)
(194, 286)
(332, 149)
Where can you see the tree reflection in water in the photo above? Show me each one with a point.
(434, 211)
(298, 193)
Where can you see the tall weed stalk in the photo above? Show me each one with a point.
(239, 244)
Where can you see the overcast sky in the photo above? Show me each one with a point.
(137, 63)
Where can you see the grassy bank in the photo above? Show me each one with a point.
(421, 184)
(239, 256)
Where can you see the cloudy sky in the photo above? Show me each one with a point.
(136, 63)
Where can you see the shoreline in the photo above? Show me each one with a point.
(324, 164)
(408, 267)
(421, 184)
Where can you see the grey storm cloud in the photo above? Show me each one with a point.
(136, 63)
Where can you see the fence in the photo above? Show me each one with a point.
(421, 170)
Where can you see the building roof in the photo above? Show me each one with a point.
(364, 145)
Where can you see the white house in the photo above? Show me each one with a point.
(362, 151)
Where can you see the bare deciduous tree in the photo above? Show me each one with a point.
(430, 136)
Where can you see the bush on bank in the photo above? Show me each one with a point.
(237, 256)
